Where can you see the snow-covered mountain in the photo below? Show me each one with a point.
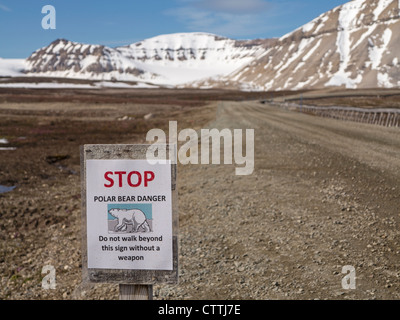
(356, 45)
(168, 59)
(67, 59)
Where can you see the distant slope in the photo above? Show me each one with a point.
(356, 45)
(169, 59)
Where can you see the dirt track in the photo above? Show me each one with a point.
(324, 194)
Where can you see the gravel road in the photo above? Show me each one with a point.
(324, 195)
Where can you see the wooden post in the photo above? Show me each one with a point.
(393, 119)
(362, 118)
(380, 118)
(387, 120)
(135, 292)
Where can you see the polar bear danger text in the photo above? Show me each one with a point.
(130, 198)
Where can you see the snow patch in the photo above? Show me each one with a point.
(12, 67)
(376, 52)
(46, 85)
(384, 80)
(313, 49)
(347, 20)
(381, 6)
(96, 85)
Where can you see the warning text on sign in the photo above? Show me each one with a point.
(155, 198)
(135, 245)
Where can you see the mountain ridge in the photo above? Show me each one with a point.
(165, 59)
(351, 46)
(354, 45)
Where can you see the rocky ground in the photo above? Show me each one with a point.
(324, 194)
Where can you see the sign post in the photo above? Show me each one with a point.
(130, 218)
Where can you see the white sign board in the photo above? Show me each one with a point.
(129, 215)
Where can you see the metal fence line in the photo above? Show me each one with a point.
(382, 117)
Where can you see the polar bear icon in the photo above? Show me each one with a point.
(127, 217)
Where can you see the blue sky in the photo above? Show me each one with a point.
(120, 22)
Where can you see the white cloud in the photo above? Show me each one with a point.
(234, 6)
(232, 18)
(4, 8)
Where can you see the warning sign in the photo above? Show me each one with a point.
(129, 214)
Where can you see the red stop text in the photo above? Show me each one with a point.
(133, 179)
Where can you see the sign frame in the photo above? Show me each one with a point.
(128, 276)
